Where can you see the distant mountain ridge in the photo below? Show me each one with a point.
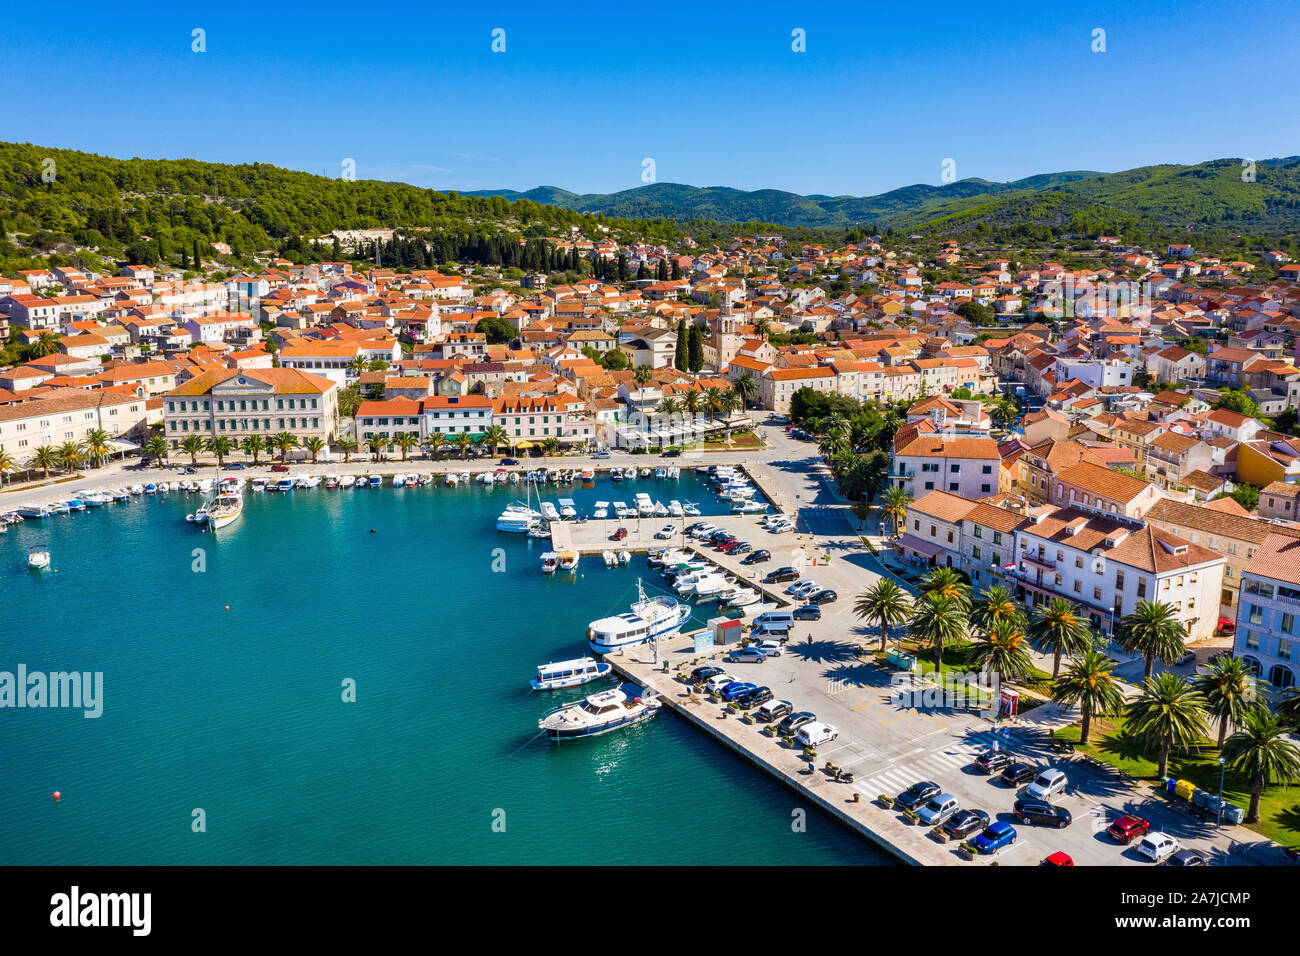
(1206, 195)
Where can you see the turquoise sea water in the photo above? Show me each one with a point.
(238, 711)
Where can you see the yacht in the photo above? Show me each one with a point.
(601, 510)
(600, 713)
(517, 518)
(549, 511)
(647, 620)
(560, 674)
(38, 560)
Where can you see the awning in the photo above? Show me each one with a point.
(524, 444)
(911, 543)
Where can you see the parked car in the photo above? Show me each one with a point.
(825, 596)
(509, 461)
(1128, 828)
(600, 454)
(1018, 773)
(992, 761)
(965, 822)
(666, 532)
(780, 527)
(1041, 812)
(718, 535)
(781, 574)
(1057, 859)
(757, 557)
(773, 710)
(618, 535)
(814, 733)
(1156, 846)
(759, 695)
(233, 466)
(1048, 783)
(994, 837)
(729, 547)
(769, 648)
(736, 688)
(937, 810)
(705, 672)
(741, 548)
(1189, 858)
(673, 453)
(1186, 657)
(802, 587)
(718, 681)
(279, 467)
(915, 795)
(808, 612)
(745, 655)
(793, 722)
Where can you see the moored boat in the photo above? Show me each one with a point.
(560, 674)
(600, 713)
(38, 560)
(648, 619)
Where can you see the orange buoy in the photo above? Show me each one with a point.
(227, 607)
(57, 795)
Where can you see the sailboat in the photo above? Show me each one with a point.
(227, 506)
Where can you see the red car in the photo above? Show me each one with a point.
(618, 535)
(1058, 859)
(279, 467)
(1128, 828)
(728, 545)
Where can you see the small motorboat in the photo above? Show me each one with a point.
(611, 559)
(347, 481)
(38, 560)
(601, 510)
(550, 562)
(560, 674)
(624, 557)
(198, 517)
(568, 560)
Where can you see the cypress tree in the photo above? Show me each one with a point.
(683, 350)
(663, 271)
(696, 349)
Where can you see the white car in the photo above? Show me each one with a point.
(1048, 783)
(769, 648)
(716, 683)
(810, 735)
(666, 532)
(799, 585)
(768, 520)
(780, 528)
(1156, 846)
(811, 588)
(704, 530)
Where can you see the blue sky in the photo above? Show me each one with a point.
(713, 93)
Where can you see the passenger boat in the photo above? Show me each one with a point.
(601, 510)
(647, 620)
(600, 713)
(35, 511)
(560, 674)
(550, 562)
(38, 560)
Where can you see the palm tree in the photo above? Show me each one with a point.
(894, 503)
(7, 465)
(434, 443)
(253, 445)
(1262, 751)
(746, 387)
(44, 457)
(1152, 631)
(315, 446)
(1288, 708)
(97, 445)
(349, 401)
(668, 408)
(938, 619)
(691, 403)
(358, 365)
(762, 327)
(405, 441)
(282, 442)
(71, 454)
(376, 444)
(550, 445)
(642, 375)
(192, 445)
(1229, 689)
(1089, 684)
(1004, 650)
(712, 401)
(221, 446)
(996, 604)
(886, 603)
(732, 402)
(349, 445)
(1057, 628)
(462, 443)
(948, 583)
(1168, 713)
(47, 343)
(157, 447)
(494, 436)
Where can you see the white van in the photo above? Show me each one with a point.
(811, 735)
(775, 617)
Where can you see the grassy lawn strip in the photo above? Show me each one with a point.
(1279, 807)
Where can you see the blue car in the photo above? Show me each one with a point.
(995, 837)
(736, 688)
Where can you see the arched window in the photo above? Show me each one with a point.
(1279, 675)
(1253, 666)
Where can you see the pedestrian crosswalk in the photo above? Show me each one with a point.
(932, 765)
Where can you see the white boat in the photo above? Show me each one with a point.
(35, 511)
(661, 510)
(399, 480)
(347, 481)
(624, 557)
(332, 481)
(691, 510)
(568, 560)
(567, 509)
(644, 505)
(710, 583)
(549, 511)
(740, 597)
(601, 510)
(308, 481)
(600, 713)
(95, 499)
(560, 674)
(225, 509)
(514, 477)
(38, 560)
(611, 559)
(629, 472)
(376, 481)
(621, 510)
(675, 508)
(284, 484)
(137, 489)
(517, 518)
(451, 480)
(616, 474)
(550, 562)
(198, 517)
(749, 507)
(648, 620)
(121, 494)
